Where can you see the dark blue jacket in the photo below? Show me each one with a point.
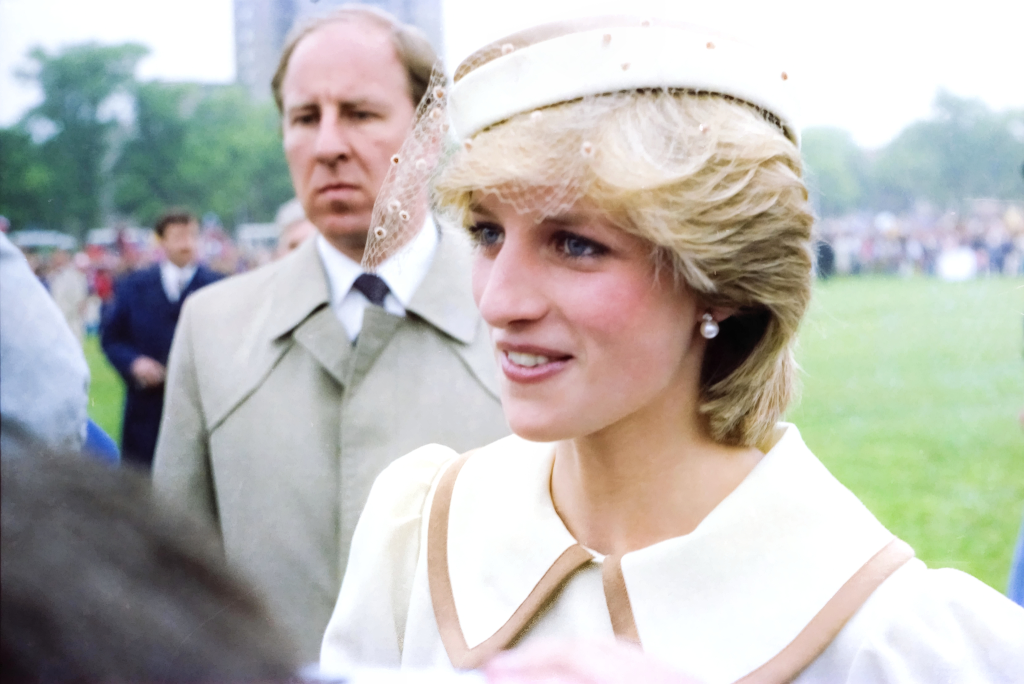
(140, 322)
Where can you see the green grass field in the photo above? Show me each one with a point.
(911, 391)
(106, 390)
(911, 395)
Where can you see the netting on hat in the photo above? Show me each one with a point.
(403, 201)
(544, 160)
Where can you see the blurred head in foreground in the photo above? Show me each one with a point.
(99, 583)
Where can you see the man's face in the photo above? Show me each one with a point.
(181, 243)
(346, 112)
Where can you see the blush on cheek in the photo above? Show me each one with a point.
(610, 304)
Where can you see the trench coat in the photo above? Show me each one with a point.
(276, 425)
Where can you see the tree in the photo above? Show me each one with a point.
(77, 82)
(27, 182)
(965, 150)
(146, 178)
(836, 170)
(205, 147)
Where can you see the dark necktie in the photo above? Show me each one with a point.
(373, 287)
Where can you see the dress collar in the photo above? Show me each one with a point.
(745, 582)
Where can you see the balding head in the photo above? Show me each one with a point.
(412, 48)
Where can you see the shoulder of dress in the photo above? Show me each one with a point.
(943, 622)
(402, 489)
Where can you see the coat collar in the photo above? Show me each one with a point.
(745, 582)
(300, 289)
(444, 298)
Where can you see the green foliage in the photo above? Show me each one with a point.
(205, 147)
(27, 183)
(836, 170)
(76, 83)
(964, 151)
(911, 397)
(68, 162)
(145, 179)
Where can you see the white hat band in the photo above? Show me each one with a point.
(618, 58)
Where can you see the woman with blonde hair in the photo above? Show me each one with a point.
(643, 261)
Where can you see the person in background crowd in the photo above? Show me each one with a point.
(138, 327)
(293, 227)
(290, 388)
(70, 289)
(100, 584)
(44, 379)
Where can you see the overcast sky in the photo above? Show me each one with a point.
(870, 67)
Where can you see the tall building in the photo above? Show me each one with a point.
(262, 25)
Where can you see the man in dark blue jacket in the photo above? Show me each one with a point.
(139, 325)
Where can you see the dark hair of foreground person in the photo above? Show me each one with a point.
(100, 583)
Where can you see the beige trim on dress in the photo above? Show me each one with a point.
(830, 620)
(463, 657)
(783, 667)
(617, 598)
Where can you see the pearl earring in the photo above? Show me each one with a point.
(709, 328)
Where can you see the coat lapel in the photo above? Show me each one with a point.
(297, 310)
(323, 336)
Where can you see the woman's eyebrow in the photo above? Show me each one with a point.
(567, 220)
(477, 209)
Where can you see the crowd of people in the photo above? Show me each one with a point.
(82, 281)
(985, 240)
(586, 308)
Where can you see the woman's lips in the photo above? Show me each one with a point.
(527, 367)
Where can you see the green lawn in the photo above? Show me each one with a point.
(911, 394)
(106, 390)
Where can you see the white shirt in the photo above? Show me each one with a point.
(403, 272)
(175, 278)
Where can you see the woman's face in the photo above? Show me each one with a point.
(586, 334)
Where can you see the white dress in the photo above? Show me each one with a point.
(731, 600)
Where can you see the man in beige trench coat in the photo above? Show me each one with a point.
(292, 387)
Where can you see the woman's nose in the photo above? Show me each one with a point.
(509, 287)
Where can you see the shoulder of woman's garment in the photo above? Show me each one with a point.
(930, 625)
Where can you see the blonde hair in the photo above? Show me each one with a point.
(712, 183)
(412, 46)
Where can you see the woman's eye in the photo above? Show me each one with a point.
(486, 234)
(577, 247)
